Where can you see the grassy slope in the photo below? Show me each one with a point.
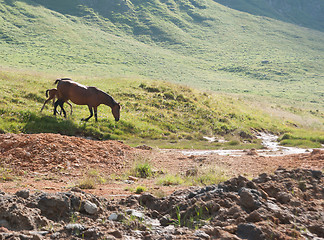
(160, 113)
(308, 13)
(199, 43)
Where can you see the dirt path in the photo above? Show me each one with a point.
(52, 162)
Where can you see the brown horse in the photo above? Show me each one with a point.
(84, 95)
(52, 94)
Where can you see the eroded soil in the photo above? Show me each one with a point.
(53, 162)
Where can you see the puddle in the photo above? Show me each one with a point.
(269, 141)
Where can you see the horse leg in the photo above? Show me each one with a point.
(62, 109)
(91, 114)
(95, 113)
(55, 106)
(70, 106)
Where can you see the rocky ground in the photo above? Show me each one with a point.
(267, 197)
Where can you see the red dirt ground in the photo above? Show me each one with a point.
(53, 163)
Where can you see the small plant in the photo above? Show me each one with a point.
(87, 183)
(178, 222)
(6, 175)
(143, 170)
(169, 180)
(74, 217)
(140, 189)
(91, 178)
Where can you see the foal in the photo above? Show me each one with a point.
(52, 94)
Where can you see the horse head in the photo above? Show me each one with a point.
(116, 111)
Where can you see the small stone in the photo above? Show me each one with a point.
(75, 226)
(249, 231)
(135, 213)
(249, 198)
(116, 217)
(144, 147)
(252, 152)
(90, 207)
(132, 178)
(165, 220)
(201, 234)
(283, 197)
(116, 233)
(230, 228)
(254, 217)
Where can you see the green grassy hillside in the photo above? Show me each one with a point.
(156, 113)
(200, 43)
(307, 13)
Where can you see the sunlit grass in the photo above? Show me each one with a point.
(159, 113)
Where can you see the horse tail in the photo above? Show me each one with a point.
(47, 92)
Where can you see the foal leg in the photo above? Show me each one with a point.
(44, 104)
(91, 114)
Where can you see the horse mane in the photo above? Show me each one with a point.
(111, 99)
(60, 79)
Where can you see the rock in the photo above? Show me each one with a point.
(317, 229)
(254, 217)
(283, 197)
(23, 194)
(135, 213)
(4, 223)
(144, 147)
(317, 151)
(262, 178)
(132, 178)
(249, 231)
(230, 228)
(75, 227)
(54, 206)
(249, 199)
(201, 234)
(316, 174)
(90, 207)
(92, 233)
(252, 152)
(76, 189)
(116, 217)
(165, 220)
(116, 233)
